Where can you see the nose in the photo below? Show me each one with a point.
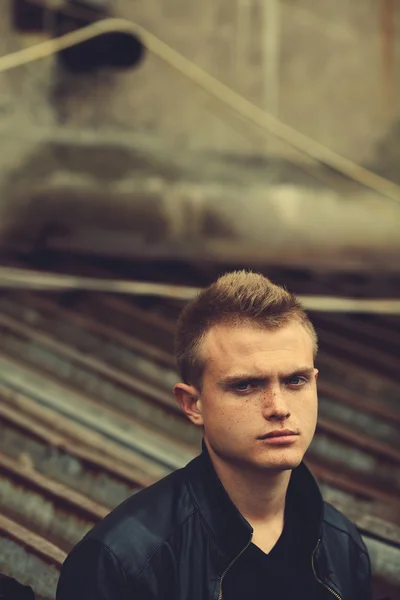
(275, 405)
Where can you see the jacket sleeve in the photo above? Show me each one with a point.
(93, 572)
(11, 588)
(364, 578)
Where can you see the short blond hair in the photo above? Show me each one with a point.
(238, 297)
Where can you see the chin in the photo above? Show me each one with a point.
(281, 463)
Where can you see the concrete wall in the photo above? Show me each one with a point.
(329, 82)
(328, 86)
(328, 75)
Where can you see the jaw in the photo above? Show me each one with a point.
(264, 460)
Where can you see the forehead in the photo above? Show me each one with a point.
(229, 348)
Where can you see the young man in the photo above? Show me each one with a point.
(245, 519)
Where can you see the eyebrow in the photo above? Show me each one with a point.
(239, 377)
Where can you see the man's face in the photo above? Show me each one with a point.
(256, 382)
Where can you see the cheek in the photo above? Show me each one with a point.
(234, 417)
(221, 413)
(310, 410)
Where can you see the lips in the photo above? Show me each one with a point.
(278, 433)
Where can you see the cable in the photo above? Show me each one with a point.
(246, 109)
(16, 278)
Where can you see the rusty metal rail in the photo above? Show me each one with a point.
(358, 352)
(378, 399)
(84, 369)
(40, 395)
(355, 379)
(153, 451)
(29, 558)
(67, 453)
(125, 316)
(370, 330)
(48, 508)
(92, 336)
(380, 502)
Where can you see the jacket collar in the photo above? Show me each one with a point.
(229, 528)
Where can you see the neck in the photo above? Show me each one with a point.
(259, 495)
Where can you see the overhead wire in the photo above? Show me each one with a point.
(246, 109)
(19, 278)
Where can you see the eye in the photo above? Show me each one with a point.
(243, 386)
(296, 381)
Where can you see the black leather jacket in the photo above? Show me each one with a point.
(11, 589)
(176, 539)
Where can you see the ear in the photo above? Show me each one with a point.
(316, 374)
(189, 400)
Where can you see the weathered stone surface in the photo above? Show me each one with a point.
(331, 82)
(155, 178)
(112, 196)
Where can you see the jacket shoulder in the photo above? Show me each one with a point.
(336, 523)
(137, 528)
